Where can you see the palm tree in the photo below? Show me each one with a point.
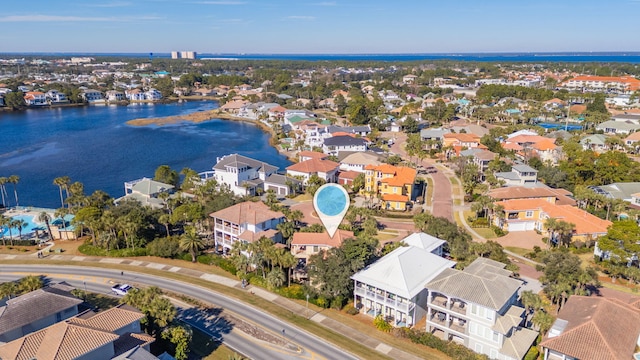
(191, 242)
(63, 183)
(288, 261)
(4, 221)
(20, 224)
(15, 179)
(275, 278)
(165, 220)
(30, 283)
(46, 218)
(550, 224)
(8, 289)
(543, 321)
(3, 190)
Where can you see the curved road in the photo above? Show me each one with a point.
(311, 346)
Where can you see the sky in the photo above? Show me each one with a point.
(319, 26)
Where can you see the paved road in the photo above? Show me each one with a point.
(311, 347)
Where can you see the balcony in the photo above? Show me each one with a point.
(401, 305)
(454, 324)
(228, 229)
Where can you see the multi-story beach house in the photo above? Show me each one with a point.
(92, 96)
(394, 286)
(342, 143)
(115, 96)
(35, 98)
(305, 244)
(148, 192)
(56, 97)
(153, 95)
(326, 170)
(135, 95)
(245, 222)
(241, 174)
(477, 307)
(394, 184)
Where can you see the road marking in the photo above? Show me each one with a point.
(155, 266)
(384, 348)
(111, 261)
(318, 318)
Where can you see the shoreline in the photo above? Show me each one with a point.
(208, 115)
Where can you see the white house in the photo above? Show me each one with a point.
(56, 97)
(357, 161)
(35, 98)
(115, 96)
(394, 286)
(336, 144)
(153, 95)
(476, 307)
(92, 96)
(135, 95)
(241, 174)
(147, 192)
(246, 222)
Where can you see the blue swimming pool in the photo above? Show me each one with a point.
(28, 229)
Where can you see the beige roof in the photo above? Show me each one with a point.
(563, 197)
(517, 345)
(247, 212)
(513, 317)
(483, 284)
(595, 328)
(110, 320)
(360, 158)
(62, 341)
(250, 236)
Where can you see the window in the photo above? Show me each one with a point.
(474, 309)
(478, 348)
(529, 214)
(494, 354)
(496, 337)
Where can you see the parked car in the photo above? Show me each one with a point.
(122, 289)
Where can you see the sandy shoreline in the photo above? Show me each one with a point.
(202, 116)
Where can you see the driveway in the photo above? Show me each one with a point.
(522, 239)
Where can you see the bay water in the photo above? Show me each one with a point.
(94, 145)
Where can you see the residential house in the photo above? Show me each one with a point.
(35, 98)
(476, 307)
(36, 310)
(281, 185)
(115, 96)
(633, 141)
(234, 106)
(147, 192)
(594, 328)
(625, 117)
(520, 175)
(111, 334)
(618, 127)
(547, 151)
(347, 177)
(621, 191)
(393, 185)
(480, 157)
(434, 138)
(394, 286)
(56, 97)
(337, 144)
(462, 141)
(557, 196)
(527, 145)
(241, 174)
(153, 95)
(326, 170)
(134, 95)
(92, 96)
(531, 214)
(245, 222)
(409, 79)
(308, 155)
(554, 104)
(305, 244)
(595, 142)
(363, 130)
(359, 160)
(312, 133)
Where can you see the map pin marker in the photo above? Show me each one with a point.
(331, 202)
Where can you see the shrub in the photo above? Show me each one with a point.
(164, 247)
(321, 301)
(498, 231)
(351, 310)
(292, 292)
(532, 354)
(224, 264)
(454, 350)
(381, 324)
(337, 302)
(88, 249)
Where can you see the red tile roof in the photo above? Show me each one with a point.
(314, 166)
(312, 154)
(247, 212)
(597, 328)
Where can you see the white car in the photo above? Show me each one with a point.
(122, 289)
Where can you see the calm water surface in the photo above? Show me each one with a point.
(93, 145)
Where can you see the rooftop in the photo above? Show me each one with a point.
(247, 212)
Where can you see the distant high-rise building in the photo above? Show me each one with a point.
(183, 54)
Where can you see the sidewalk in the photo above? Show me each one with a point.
(285, 303)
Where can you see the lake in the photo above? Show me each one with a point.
(93, 145)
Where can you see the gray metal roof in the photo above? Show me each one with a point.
(235, 160)
(33, 306)
(480, 285)
(151, 187)
(404, 271)
(622, 191)
(344, 141)
(523, 168)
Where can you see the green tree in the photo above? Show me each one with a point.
(63, 184)
(15, 100)
(191, 242)
(158, 310)
(165, 174)
(180, 337)
(30, 283)
(621, 242)
(14, 180)
(9, 289)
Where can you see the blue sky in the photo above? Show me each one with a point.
(319, 26)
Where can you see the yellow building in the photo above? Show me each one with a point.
(392, 184)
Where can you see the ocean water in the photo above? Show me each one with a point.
(93, 145)
(529, 57)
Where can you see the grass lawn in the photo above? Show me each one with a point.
(429, 194)
(303, 197)
(486, 233)
(456, 218)
(222, 352)
(387, 235)
(518, 250)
